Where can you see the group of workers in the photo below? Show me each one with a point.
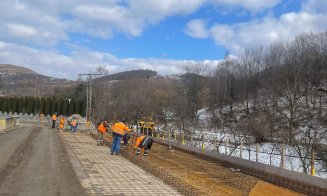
(120, 132)
(72, 123)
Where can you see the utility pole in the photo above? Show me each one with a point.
(89, 94)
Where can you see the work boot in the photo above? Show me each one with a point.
(138, 151)
(145, 153)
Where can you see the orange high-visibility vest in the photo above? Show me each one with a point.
(120, 128)
(62, 122)
(102, 128)
(138, 141)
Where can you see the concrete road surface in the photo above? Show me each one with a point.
(33, 161)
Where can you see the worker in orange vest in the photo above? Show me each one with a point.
(54, 118)
(73, 125)
(143, 142)
(101, 130)
(62, 122)
(118, 131)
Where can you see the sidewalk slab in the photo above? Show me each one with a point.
(103, 174)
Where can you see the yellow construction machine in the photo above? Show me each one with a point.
(146, 126)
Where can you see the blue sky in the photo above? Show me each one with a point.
(63, 38)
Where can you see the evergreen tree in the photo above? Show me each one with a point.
(53, 105)
(42, 105)
(20, 105)
(65, 107)
(4, 104)
(83, 108)
(24, 105)
(36, 109)
(72, 107)
(59, 105)
(30, 104)
(1, 98)
(15, 104)
(10, 104)
(78, 107)
(47, 109)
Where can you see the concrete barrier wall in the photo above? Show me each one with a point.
(81, 125)
(296, 181)
(6, 123)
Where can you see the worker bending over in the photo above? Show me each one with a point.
(101, 130)
(143, 143)
(118, 131)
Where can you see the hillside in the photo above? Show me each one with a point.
(9, 69)
(18, 80)
(134, 74)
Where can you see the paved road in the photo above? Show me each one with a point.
(34, 162)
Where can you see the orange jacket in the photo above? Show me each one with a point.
(102, 128)
(120, 128)
(138, 141)
(62, 122)
(54, 117)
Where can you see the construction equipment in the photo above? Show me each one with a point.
(145, 126)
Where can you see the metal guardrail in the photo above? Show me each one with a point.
(295, 181)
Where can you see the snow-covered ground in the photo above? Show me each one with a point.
(268, 153)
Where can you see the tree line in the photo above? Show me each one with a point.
(265, 92)
(42, 105)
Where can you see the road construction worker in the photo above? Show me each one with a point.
(118, 131)
(62, 122)
(143, 143)
(54, 118)
(101, 130)
(73, 125)
(126, 138)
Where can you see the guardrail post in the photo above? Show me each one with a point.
(257, 152)
(226, 146)
(312, 162)
(168, 135)
(216, 144)
(282, 160)
(202, 142)
(132, 145)
(241, 150)
(183, 139)
(175, 135)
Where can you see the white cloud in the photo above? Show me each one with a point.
(49, 22)
(83, 60)
(251, 5)
(261, 32)
(22, 30)
(197, 28)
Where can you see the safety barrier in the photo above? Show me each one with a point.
(295, 181)
(6, 123)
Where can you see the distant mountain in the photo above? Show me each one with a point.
(16, 80)
(8, 69)
(134, 74)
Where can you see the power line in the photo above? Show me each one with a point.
(89, 94)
